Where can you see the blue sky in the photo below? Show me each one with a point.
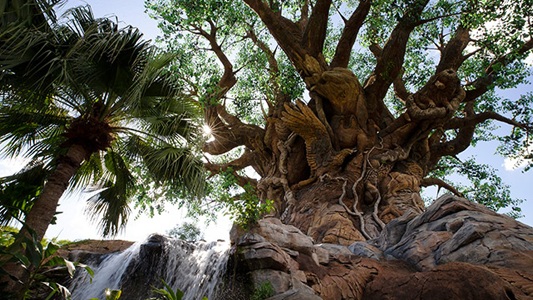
(73, 224)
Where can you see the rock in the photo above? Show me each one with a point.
(450, 281)
(336, 252)
(280, 281)
(456, 249)
(292, 253)
(299, 275)
(365, 250)
(294, 294)
(454, 229)
(265, 255)
(249, 239)
(283, 235)
(92, 249)
(285, 286)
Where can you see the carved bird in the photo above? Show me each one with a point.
(321, 157)
(301, 119)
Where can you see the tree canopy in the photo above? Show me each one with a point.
(430, 81)
(88, 83)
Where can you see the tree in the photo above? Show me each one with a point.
(187, 231)
(89, 103)
(395, 91)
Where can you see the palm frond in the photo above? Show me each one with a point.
(178, 166)
(19, 191)
(27, 131)
(91, 171)
(110, 205)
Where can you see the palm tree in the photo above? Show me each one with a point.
(95, 104)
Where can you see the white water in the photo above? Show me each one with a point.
(106, 275)
(196, 269)
(196, 273)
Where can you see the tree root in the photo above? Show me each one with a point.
(355, 212)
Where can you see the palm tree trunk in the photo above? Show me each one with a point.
(43, 211)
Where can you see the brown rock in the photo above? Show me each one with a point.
(286, 236)
(265, 255)
(451, 281)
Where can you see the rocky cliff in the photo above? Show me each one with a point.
(454, 250)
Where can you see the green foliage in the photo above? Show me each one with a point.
(7, 235)
(39, 260)
(167, 293)
(187, 231)
(91, 69)
(263, 291)
(240, 203)
(498, 30)
(112, 294)
(248, 209)
(19, 191)
(486, 186)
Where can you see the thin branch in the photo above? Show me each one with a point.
(285, 32)
(482, 84)
(390, 63)
(482, 117)
(272, 62)
(460, 143)
(245, 160)
(441, 184)
(230, 132)
(452, 54)
(349, 35)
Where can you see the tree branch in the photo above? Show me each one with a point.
(389, 64)
(482, 84)
(228, 79)
(285, 32)
(230, 132)
(452, 55)
(349, 35)
(315, 31)
(460, 143)
(245, 160)
(441, 184)
(482, 117)
(273, 67)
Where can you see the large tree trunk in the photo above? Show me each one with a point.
(42, 213)
(334, 173)
(341, 167)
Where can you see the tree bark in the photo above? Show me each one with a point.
(44, 209)
(42, 213)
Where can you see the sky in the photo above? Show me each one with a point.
(72, 224)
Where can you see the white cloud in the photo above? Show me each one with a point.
(512, 164)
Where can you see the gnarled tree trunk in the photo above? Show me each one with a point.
(340, 167)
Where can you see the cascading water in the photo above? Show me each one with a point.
(195, 268)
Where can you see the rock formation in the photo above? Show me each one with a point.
(454, 250)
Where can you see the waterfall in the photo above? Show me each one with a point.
(195, 268)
